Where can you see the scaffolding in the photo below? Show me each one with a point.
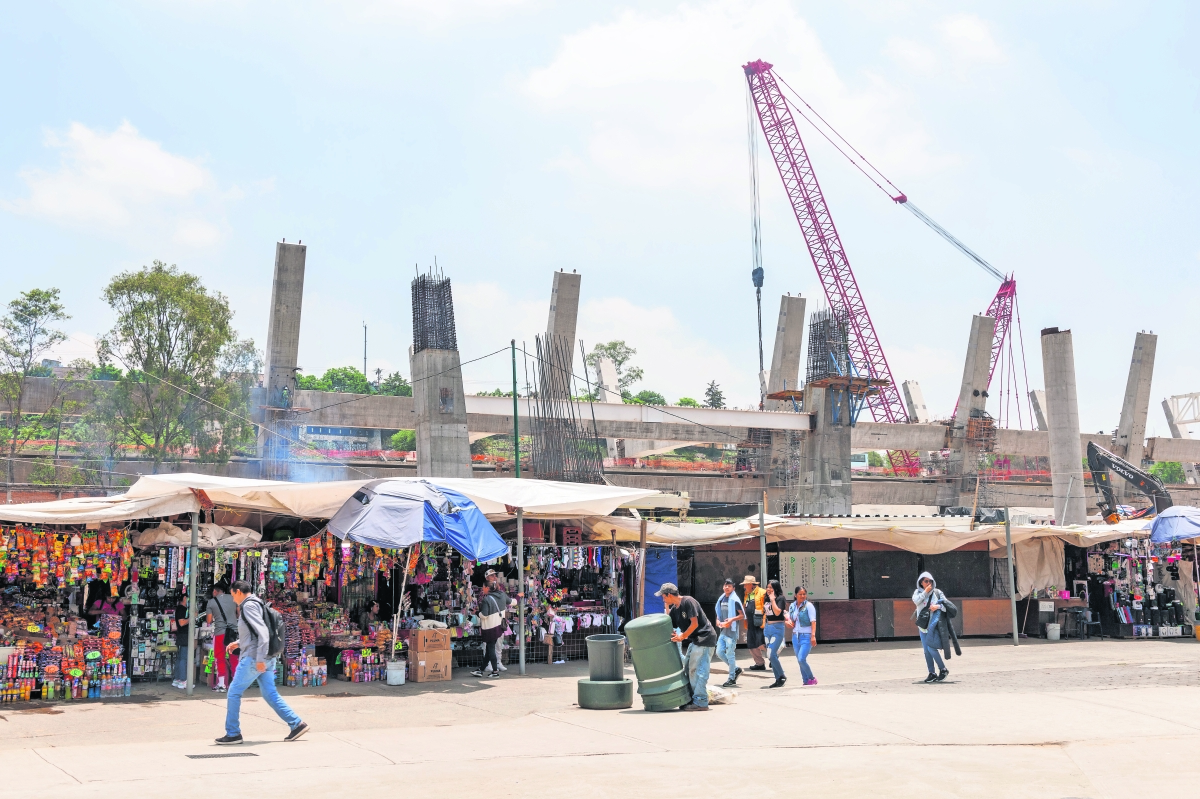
(563, 448)
(433, 313)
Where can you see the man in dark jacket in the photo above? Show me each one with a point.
(254, 639)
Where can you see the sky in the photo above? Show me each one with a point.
(512, 138)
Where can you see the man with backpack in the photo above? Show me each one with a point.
(260, 643)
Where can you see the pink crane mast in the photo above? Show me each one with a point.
(825, 247)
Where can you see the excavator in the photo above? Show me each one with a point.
(1101, 461)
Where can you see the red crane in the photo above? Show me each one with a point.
(825, 247)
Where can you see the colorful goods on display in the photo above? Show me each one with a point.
(307, 671)
(575, 582)
(56, 559)
(363, 665)
(1129, 575)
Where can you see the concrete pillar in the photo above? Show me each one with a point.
(789, 346)
(606, 390)
(443, 446)
(825, 487)
(1037, 398)
(972, 392)
(1131, 431)
(1062, 415)
(914, 401)
(283, 345)
(1189, 469)
(564, 307)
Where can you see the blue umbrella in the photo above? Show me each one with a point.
(1176, 523)
(393, 514)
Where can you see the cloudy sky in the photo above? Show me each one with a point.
(512, 138)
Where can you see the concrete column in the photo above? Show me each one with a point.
(283, 346)
(1037, 398)
(1177, 432)
(443, 446)
(1062, 415)
(789, 346)
(914, 401)
(972, 398)
(606, 385)
(826, 468)
(564, 307)
(1131, 431)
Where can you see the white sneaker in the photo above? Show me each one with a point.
(559, 662)
(503, 667)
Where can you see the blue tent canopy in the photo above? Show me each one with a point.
(393, 514)
(1177, 523)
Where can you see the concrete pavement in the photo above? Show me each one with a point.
(1070, 719)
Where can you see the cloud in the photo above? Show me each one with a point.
(122, 183)
(442, 13)
(910, 54)
(659, 99)
(970, 38)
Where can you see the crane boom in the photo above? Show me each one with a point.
(825, 246)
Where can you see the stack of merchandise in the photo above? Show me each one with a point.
(363, 665)
(57, 559)
(1135, 588)
(307, 671)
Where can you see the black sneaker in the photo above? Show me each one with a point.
(778, 683)
(296, 732)
(758, 668)
(737, 673)
(479, 673)
(229, 740)
(729, 684)
(931, 678)
(943, 674)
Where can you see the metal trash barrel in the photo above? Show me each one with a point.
(606, 657)
(656, 662)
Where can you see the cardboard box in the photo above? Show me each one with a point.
(430, 666)
(429, 640)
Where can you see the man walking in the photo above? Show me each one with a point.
(729, 615)
(700, 637)
(222, 615)
(254, 638)
(756, 641)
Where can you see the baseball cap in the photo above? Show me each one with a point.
(667, 588)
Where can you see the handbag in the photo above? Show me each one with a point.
(924, 615)
(231, 633)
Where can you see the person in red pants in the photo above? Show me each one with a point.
(222, 614)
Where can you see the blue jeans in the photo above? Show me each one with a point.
(243, 678)
(181, 662)
(727, 651)
(695, 665)
(775, 635)
(803, 645)
(931, 642)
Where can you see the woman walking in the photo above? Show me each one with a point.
(774, 611)
(930, 602)
(802, 618)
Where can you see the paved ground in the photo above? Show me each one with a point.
(1077, 719)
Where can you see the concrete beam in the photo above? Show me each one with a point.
(914, 401)
(1062, 406)
(789, 346)
(1169, 409)
(1184, 450)
(1037, 398)
(868, 436)
(283, 325)
(1131, 431)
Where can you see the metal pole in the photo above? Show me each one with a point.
(1012, 580)
(191, 625)
(614, 593)
(762, 539)
(365, 355)
(521, 587)
(641, 588)
(399, 604)
(517, 450)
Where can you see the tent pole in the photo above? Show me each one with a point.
(191, 625)
(641, 578)
(521, 589)
(762, 539)
(1012, 582)
(398, 603)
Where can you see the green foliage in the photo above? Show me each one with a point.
(647, 397)
(875, 459)
(403, 440)
(395, 385)
(687, 402)
(105, 371)
(499, 392)
(311, 383)
(619, 353)
(713, 396)
(1170, 472)
(45, 472)
(342, 379)
(187, 378)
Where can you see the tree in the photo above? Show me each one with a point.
(395, 385)
(187, 376)
(875, 459)
(687, 402)
(619, 353)
(342, 379)
(713, 396)
(1169, 472)
(648, 397)
(26, 334)
(403, 440)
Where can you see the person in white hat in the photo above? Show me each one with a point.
(753, 599)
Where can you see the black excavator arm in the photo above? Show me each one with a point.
(1101, 461)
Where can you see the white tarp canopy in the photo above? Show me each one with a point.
(168, 494)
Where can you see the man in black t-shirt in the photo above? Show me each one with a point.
(696, 631)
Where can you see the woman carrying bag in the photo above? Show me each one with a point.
(774, 611)
(933, 614)
(802, 618)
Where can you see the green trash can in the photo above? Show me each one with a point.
(606, 657)
(662, 683)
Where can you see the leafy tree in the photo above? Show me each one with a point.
(496, 392)
(104, 372)
(713, 396)
(342, 379)
(187, 376)
(311, 383)
(619, 353)
(27, 332)
(1169, 472)
(395, 385)
(875, 459)
(404, 440)
(687, 402)
(648, 397)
